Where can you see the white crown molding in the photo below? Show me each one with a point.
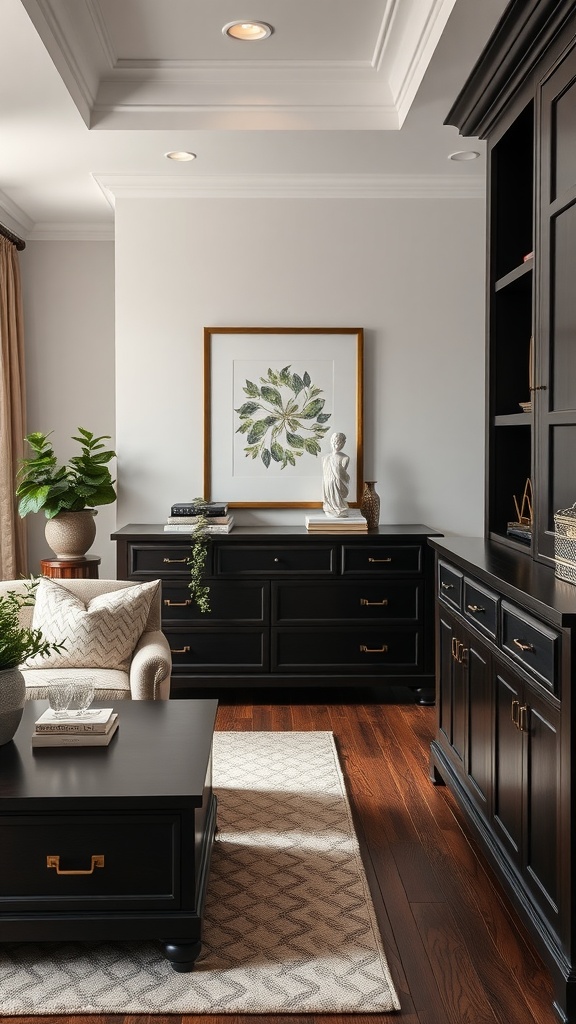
(412, 39)
(318, 186)
(55, 232)
(383, 39)
(14, 218)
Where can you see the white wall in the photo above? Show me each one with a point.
(411, 272)
(68, 290)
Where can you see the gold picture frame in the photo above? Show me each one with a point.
(273, 397)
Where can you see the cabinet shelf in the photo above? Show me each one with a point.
(519, 277)
(513, 419)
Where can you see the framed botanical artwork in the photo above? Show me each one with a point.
(273, 397)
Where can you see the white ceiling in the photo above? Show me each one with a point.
(346, 97)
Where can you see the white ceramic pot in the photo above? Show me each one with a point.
(71, 534)
(12, 697)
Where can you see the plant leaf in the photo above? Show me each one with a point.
(266, 457)
(297, 384)
(271, 395)
(252, 390)
(324, 417)
(295, 440)
(247, 409)
(306, 379)
(277, 451)
(310, 411)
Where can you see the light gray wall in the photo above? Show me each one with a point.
(411, 272)
(68, 293)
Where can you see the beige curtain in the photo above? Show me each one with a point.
(13, 551)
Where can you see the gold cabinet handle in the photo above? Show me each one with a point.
(447, 586)
(463, 655)
(454, 648)
(96, 861)
(177, 604)
(174, 561)
(476, 608)
(179, 650)
(374, 604)
(370, 559)
(523, 645)
(523, 724)
(514, 713)
(374, 650)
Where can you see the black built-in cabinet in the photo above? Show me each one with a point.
(505, 625)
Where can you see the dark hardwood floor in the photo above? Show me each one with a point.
(456, 951)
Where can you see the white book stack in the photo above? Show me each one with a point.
(187, 524)
(354, 522)
(95, 728)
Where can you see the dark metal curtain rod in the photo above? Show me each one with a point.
(18, 242)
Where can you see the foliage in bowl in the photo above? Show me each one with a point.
(17, 643)
(42, 484)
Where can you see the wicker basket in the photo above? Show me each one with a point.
(565, 544)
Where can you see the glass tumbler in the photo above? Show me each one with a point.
(59, 697)
(82, 696)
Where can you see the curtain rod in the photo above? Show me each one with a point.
(18, 242)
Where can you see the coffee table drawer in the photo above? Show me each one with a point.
(129, 861)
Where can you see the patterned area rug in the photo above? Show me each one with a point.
(289, 924)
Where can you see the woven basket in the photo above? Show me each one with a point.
(565, 544)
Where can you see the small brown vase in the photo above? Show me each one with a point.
(370, 505)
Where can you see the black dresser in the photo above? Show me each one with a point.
(290, 608)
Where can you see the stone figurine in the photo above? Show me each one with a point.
(336, 478)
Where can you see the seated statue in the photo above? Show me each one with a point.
(336, 479)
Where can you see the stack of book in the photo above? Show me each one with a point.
(185, 516)
(354, 522)
(95, 728)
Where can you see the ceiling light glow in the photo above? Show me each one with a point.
(180, 156)
(464, 154)
(247, 31)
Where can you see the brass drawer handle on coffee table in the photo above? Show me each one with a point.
(177, 604)
(382, 603)
(96, 861)
(374, 650)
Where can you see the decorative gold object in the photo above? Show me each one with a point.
(370, 505)
(96, 861)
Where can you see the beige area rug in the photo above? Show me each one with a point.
(289, 924)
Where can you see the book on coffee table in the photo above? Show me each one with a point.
(94, 720)
(76, 739)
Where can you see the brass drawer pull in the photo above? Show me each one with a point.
(374, 650)
(177, 604)
(476, 608)
(523, 725)
(380, 604)
(514, 712)
(447, 586)
(96, 861)
(174, 561)
(370, 559)
(523, 645)
(179, 650)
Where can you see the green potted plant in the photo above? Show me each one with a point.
(17, 643)
(66, 492)
(199, 589)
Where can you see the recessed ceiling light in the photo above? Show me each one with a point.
(180, 156)
(248, 31)
(464, 154)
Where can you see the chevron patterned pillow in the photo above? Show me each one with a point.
(100, 634)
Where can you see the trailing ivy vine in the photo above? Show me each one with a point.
(199, 589)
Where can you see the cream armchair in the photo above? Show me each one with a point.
(148, 675)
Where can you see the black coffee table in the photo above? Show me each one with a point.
(110, 842)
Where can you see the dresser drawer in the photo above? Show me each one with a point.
(369, 650)
(237, 601)
(381, 559)
(218, 649)
(450, 582)
(140, 857)
(274, 560)
(159, 561)
(480, 606)
(346, 600)
(532, 643)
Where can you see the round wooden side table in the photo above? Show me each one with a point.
(85, 568)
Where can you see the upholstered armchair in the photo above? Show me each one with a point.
(111, 631)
